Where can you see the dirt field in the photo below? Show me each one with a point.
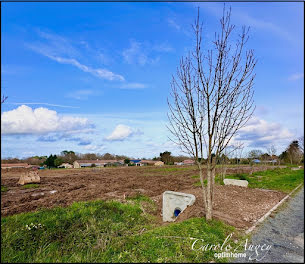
(237, 206)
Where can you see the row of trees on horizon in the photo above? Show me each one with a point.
(293, 154)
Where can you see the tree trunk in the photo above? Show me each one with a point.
(213, 184)
(209, 195)
(203, 187)
(251, 171)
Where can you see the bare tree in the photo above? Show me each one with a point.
(3, 99)
(211, 99)
(301, 144)
(271, 150)
(223, 161)
(230, 152)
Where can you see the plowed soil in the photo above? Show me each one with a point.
(237, 206)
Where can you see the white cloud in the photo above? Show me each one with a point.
(296, 76)
(96, 148)
(25, 120)
(260, 133)
(133, 86)
(122, 132)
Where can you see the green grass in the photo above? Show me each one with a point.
(30, 186)
(100, 231)
(284, 180)
(4, 188)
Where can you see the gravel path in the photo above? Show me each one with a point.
(284, 232)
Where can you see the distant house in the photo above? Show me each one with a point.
(272, 161)
(116, 163)
(147, 162)
(137, 162)
(97, 163)
(159, 163)
(188, 162)
(66, 166)
(152, 162)
(15, 165)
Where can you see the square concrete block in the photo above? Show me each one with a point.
(175, 203)
(242, 183)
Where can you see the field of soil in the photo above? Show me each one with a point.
(237, 206)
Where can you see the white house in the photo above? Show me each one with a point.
(66, 166)
(98, 163)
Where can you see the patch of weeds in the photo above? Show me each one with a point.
(30, 186)
(139, 197)
(4, 188)
(147, 205)
(198, 184)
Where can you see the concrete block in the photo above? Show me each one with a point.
(29, 177)
(242, 183)
(174, 203)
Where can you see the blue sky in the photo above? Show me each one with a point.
(94, 77)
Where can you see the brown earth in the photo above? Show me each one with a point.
(237, 206)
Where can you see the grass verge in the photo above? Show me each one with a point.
(30, 186)
(100, 231)
(284, 180)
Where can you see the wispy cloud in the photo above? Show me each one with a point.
(264, 25)
(244, 18)
(54, 137)
(57, 105)
(56, 45)
(296, 76)
(80, 94)
(163, 47)
(171, 22)
(60, 50)
(135, 54)
(143, 53)
(179, 26)
(132, 86)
